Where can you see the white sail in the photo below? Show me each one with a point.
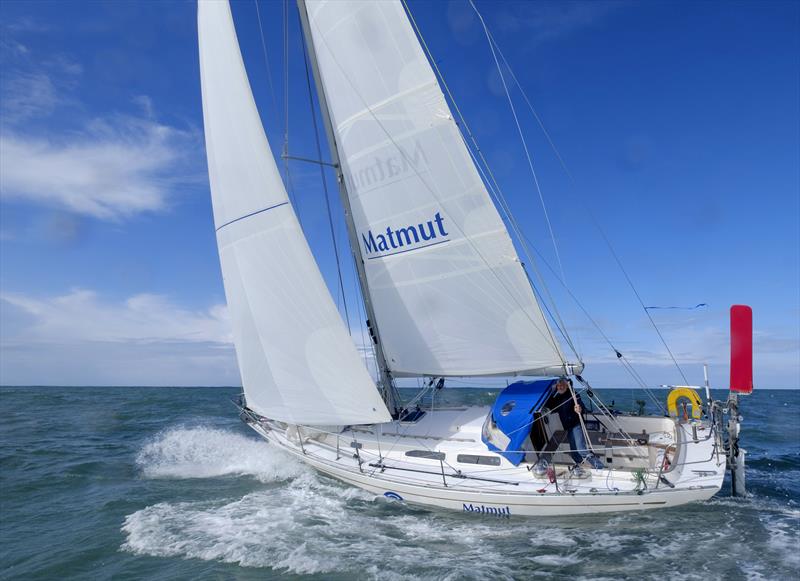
(297, 362)
(449, 292)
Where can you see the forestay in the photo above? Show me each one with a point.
(296, 359)
(449, 292)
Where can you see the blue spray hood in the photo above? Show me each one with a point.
(512, 416)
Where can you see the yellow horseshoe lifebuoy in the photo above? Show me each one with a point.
(691, 395)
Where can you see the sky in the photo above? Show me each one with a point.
(678, 125)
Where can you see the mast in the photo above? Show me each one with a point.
(386, 384)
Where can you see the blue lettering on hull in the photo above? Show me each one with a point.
(397, 240)
(493, 510)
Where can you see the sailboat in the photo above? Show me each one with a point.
(445, 293)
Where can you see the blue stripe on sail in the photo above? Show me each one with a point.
(251, 214)
(407, 250)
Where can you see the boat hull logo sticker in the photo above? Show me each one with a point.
(393, 495)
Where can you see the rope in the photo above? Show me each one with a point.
(496, 192)
(521, 136)
(458, 473)
(275, 108)
(286, 87)
(494, 189)
(325, 189)
(644, 308)
(427, 186)
(572, 179)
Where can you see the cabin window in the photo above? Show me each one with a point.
(475, 459)
(425, 454)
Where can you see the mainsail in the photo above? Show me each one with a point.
(297, 362)
(449, 292)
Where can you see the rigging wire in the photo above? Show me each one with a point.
(275, 107)
(627, 365)
(560, 158)
(431, 190)
(325, 189)
(644, 308)
(498, 196)
(522, 137)
(440, 77)
(494, 189)
(286, 88)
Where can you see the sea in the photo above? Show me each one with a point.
(167, 483)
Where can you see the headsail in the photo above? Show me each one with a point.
(298, 363)
(449, 291)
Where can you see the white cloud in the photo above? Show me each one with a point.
(115, 168)
(109, 166)
(694, 340)
(78, 338)
(145, 318)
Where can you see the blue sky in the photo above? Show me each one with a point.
(678, 123)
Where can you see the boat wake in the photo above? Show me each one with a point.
(293, 520)
(209, 452)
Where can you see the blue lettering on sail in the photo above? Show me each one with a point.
(411, 237)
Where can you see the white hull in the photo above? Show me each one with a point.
(696, 473)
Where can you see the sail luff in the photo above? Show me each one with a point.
(449, 290)
(297, 362)
(387, 389)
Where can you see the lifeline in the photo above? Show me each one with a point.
(407, 236)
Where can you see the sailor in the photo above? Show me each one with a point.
(569, 412)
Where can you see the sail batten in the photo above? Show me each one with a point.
(296, 359)
(448, 289)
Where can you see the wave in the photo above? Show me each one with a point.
(204, 452)
(778, 462)
(309, 524)
(313, 525)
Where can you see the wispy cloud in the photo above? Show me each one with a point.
(113, 169)
(695, 340)
(82, 315)
(109, 166)
(27, 95)
(144, 339)
(542, 21)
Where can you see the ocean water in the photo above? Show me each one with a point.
(167, 483)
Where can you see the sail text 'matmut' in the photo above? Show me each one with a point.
(405, 238)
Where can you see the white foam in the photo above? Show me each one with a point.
(310, 524)
(555, 560)
(784, 537)
(208, 452)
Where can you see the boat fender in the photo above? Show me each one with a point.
(691, 395)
